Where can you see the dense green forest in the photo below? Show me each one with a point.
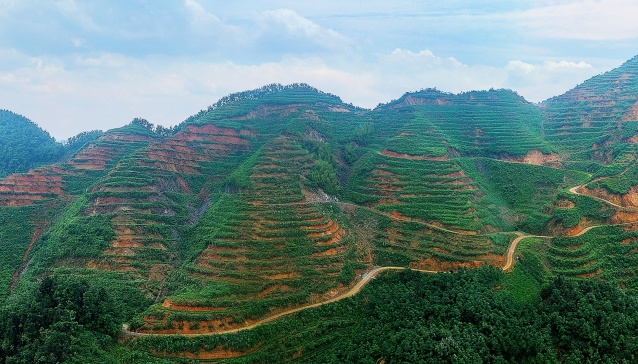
(67, 318)
(24, 145)
(466, 317)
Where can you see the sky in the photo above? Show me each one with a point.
(73, 66)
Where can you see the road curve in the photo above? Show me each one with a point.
(368, 276)
(509, 257)
(574, 190)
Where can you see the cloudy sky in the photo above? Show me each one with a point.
(72, 65)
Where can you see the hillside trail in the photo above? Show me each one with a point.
(509, 258)
(368, 276)
(38, 230)
(575, 189)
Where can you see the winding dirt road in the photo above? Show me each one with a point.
(367, 277)
(370, 275)
(574, 190)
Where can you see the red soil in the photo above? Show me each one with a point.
(536, 157)
(218, 353)
(320, 227)
(443, 266)
(170, 304)
(382, 172)
(389, 153)
(334, 239)
(631, 114)
(592, 274)
(283, 276)
(264, 111)
(23, 189)
(329, 252)
(333, 229)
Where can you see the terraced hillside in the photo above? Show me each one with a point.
(596, 118)
(277, 199)
(152, 194)
(495, 123)
(31, 201)
(437, 192)
(266, 247)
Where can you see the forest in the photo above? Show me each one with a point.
(405, 317)
(24, 145)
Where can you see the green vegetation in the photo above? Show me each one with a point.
(527, 192)
(605, 252)
(284, 196)
(526, 280)
(24, 145)
(479, 123)
(420, 318)
(262, 244)
(584, 121)
(430, 191)
(15, 235)
(76, 236)
(67, 318)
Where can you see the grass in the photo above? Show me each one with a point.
(15, 234)
(530, 271)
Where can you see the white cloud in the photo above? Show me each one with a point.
(296, 25)
(404, 70)
(71, 10)
(540, 81)
(521, 66)
(105, 60)
(207, 31)
(585, 19)
(110, 90)
(424, 58)
(200, 15)
(551, 66)
(564, 65)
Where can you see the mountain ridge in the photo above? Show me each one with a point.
(284, 196)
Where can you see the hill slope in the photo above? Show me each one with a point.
(282, 197)
(24, 145)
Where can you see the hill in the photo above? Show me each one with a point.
(24, 145)
(280, 198)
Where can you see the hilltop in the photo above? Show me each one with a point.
(283, 197)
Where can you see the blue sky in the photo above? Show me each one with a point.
(72, 65)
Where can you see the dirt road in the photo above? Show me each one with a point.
(574, 190)
(368, 276)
